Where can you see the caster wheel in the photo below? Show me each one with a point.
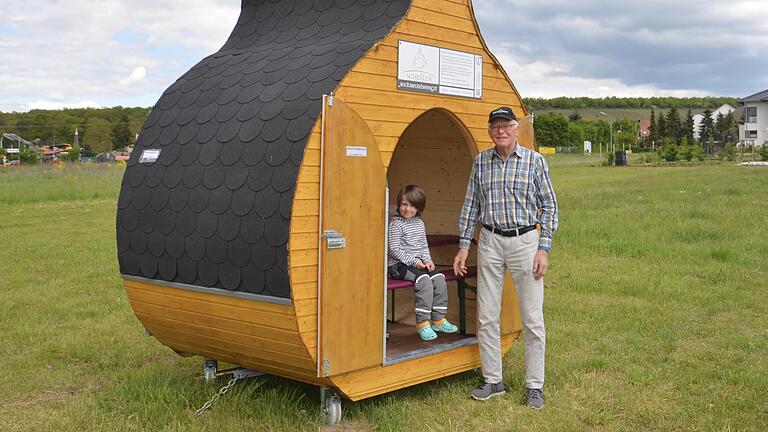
(331, 407)
(210, 368)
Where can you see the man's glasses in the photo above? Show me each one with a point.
(505, 127)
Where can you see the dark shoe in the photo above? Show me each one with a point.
(535, 399)
(486, 391)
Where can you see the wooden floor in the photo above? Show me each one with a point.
(403, 339)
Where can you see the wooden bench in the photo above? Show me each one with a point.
(450, 275)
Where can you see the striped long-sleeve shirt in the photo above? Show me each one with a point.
(509, 194)
(407, 241)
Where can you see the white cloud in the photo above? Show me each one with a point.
(88, 50)
(138, 74)
(549, 80)
(55, 105)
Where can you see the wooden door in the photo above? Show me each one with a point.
(352, 253)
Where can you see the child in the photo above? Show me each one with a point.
(409, 259)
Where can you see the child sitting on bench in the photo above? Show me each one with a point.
(409, 259)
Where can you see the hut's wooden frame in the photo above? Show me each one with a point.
(281, 337)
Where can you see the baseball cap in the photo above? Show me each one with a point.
(502, 112)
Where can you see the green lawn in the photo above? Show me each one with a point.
(656, 307)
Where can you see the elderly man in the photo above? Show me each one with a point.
(510, 192)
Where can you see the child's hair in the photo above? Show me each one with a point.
(414, 195)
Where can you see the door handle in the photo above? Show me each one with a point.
(334, 239)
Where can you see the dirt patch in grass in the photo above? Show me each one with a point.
(346, 427)
(46, 396)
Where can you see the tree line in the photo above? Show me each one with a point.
(670, 129)
(103, 129)
(572, 103)
(99, 129)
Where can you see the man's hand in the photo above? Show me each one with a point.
(420, 265)
(540, 264)
(460, 262)
(430, 265)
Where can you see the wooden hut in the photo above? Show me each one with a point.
(252, 217)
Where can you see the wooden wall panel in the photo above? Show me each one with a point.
(265, 334)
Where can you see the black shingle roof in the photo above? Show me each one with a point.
(214, 209)
(757, 97)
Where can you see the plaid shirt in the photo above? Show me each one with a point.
(509, 194)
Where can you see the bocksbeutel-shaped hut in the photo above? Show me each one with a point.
(252, 217)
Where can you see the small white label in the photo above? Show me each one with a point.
(149, 156)
(357, 151)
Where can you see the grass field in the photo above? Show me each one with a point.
(656, 307)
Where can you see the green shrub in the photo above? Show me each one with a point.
(29, 156)
(697, 152)
(668, 153)
(610, 158)
(764, 151)
(73, 155)
(686, 152)
(649, 157)
(727, 153)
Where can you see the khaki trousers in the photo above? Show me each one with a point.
(495, 255)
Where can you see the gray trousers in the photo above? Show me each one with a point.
(495, 255)
(430, 291)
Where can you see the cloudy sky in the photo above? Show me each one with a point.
(76, 53)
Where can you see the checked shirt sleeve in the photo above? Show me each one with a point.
(547, 203)
(471, 208)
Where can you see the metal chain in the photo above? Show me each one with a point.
(216, 396)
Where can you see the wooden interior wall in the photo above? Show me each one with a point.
(433, 154)
(370, 89)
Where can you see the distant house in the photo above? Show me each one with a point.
(9, 140)
(724, 109)
(645, 129)
(753, 126)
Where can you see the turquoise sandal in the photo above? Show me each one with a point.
(426, 333)
(444, 327)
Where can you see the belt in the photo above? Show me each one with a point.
(510, 233)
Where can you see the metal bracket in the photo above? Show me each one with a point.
(242, 373)
(326, 367)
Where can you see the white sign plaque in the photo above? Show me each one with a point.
(429, 69)
(357, 151)
(149, 155)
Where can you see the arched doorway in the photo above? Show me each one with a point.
(435, 151)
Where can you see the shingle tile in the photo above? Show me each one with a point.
(156, 243)
(236, 176)
(229, 226)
